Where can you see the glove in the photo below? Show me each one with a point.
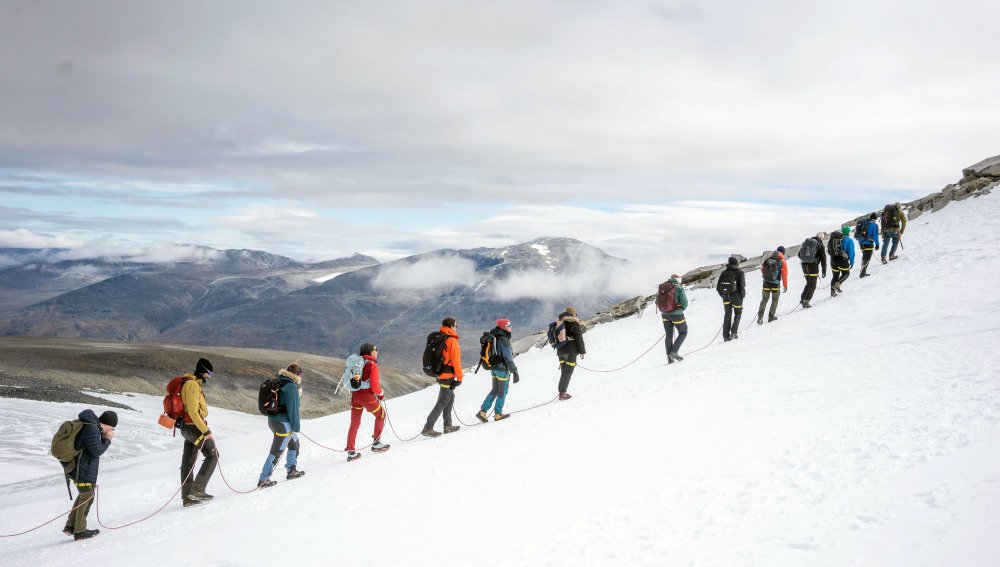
(454, 383)
(786, 289)
(380, 397)
(516, 377)
(876, 245)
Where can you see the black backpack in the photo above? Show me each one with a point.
(890, 217)
(557, 328)
(861, 229)
(836, 246)
(489, 353)
(728, 281)
(772, 269)
(268, 397)
(808, 250)
(434, 354)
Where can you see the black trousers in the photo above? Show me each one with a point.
(811, 272)
(567, 364)
(191, 436)
(444, 405)
(866, 257)
(734, 310)
(841, 269)
(670, 323)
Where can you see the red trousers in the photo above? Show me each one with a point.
(360, 401)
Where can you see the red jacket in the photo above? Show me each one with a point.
(452, 355)
(370, 373)
(784, 270)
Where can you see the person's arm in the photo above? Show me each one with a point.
(453, 356)
(92, 442)
(784, 273)
(370, 373)
(507, 352)
(902, 221)
(578, 333)
(741, 278)
(292, 405)
(683, 298)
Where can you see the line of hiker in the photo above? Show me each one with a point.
(79, 444)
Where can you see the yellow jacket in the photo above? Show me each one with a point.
(195, 407)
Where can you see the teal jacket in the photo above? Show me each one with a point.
(680, 298)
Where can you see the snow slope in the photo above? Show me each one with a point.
(864, 431)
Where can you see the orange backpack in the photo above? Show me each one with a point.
(173, 405)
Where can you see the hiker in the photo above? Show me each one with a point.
(732, 288)
(812, 256)
(369, 397)
(866, 233)
(893, 225)
(449, 379)
(197, 436)
(774, 271)
(572, 332)
(285, 425)
(501, 373)
(841, 249)
(92, 439)
(672, 301)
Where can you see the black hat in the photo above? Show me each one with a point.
(781, 249)
(873, 216)
(109, 418)
(202, 367)
(734, 261)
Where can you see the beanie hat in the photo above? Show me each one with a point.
(203, 366)
(734, 261)
(781, 249)
(109, 418)
(503, 323)
(366, 348)
(846, 230)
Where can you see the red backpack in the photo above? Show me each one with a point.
(665, 300)
(173, 405)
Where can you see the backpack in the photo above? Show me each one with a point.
(861, 230)
(64, 444)
(268, 398)
(808, 250)
(665, 299)
(557, 334)
(836, 246)
(727, 282)
(890, 216)
(173, 405)
(353, 366)
(771, 269)
(489, 352)
(434, 354)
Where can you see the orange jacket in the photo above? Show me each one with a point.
(452, 355)
(784, 269)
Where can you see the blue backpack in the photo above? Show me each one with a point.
(353, 366)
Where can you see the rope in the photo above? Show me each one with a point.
(97, 504)
(49, 521)
(630, 363)
(393, 429)
(304, 436)
(707, 345)
(223, 475)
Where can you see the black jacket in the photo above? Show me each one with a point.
(820, 255)
(741, 283)
(574, 336)
(93, 445)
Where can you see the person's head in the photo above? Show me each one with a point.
(675, 278)
(845, 230)
(504, 324)
(109, 421)
(203, 369)
(733, 262)
(449, 322)
(294, 369)
(820, 235)
(872, 216)
(899, 205)
(368, 349)
(781, 249)
(571, 310)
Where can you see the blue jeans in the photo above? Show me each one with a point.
(499, 393)
(886, 237)
(284, 438)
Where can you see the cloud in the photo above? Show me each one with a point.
(437, 272)
(24, 238)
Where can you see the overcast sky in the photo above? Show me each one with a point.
(674, 131)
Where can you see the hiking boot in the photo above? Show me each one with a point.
(85, 534)
(266, 483)
(379, 447)
(482, 416)
(760, 319)
(200, 495)
(893, 257)
(838, 288)
(451, 428)
(673, 357)
(294, 473)
(735, 336)
(772, 318)
(805, 304)
(884, 261)
(564, 396)
(353, 456)
(429, 432)
(68, 530)
(188, 502)
(499, 416)
(726, 339)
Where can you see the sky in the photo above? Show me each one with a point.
(670, 132)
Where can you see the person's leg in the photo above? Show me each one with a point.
(292, 457)
(209, 461)
(679, 323)
(81, 507)
(568, 365)
(668, 332)
(866, 257)
(502, 395)
(494, 392)
(775, 295)
(278, 442)
(727, 320)
(443, 391)
(764, 296)
(352, 431)
(737, 314)
(188, 459)
(379, 413)
(449, 406)
(895, 244)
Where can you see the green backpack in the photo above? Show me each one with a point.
(63, 444)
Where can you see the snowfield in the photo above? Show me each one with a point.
(864, 431)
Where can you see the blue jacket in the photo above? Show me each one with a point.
(849, 248)
(93, 445)
(288, 397)
(869, 237)
(506, 351)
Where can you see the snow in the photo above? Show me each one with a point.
(865, 431)
(328, 277)
(541, 249)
